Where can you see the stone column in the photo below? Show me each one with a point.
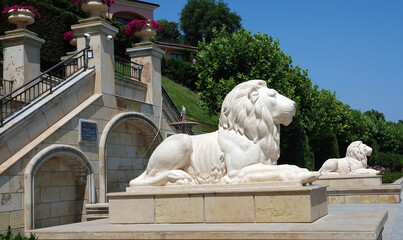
(21, 56)
(103, 51)
(149, 55)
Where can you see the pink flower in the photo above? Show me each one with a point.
(137, 25)
(6, 9)
(68, 36)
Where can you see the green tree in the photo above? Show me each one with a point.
(321, 124)
(198, 18)
(228, 61)
(389, 135)
(169, 31)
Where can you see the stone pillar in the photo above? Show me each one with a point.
(103, 51)
(149, 55)
(21, 56)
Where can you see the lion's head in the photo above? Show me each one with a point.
(359, 151)
(255, 111)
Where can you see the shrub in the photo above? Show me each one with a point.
(9, 236)
(388, 160)
(390, 177)
(181, 72)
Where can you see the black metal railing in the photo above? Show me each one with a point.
(6, 86)
(170, 103)
(128, 69)
(43, 84)
(1, 67)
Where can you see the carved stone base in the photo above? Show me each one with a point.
(232, 203)
(359, 189)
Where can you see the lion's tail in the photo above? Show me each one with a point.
(138, 180)
(321, 169)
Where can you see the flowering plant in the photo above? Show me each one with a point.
(6, 9)
(378, 168)
(79, 2)
(68, 36)
(137, 25)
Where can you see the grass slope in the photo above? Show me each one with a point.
(182, 96)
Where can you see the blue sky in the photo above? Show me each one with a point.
(353, 47)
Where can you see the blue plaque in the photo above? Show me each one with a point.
(88, 131)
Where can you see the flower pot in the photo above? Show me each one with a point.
(21, 17)
(146, 33)
(73, 42)
(94, 7)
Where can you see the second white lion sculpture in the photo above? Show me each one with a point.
(355, 161)
(245, 148)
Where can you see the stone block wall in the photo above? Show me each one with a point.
(12, 199)
(60, 193)
(125, 148)
(124, 143)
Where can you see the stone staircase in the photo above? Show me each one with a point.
(96, 211)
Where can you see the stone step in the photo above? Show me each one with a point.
(96, 211)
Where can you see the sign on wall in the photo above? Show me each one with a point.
(87, 131)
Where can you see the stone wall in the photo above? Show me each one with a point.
(60, 193)
(125, 147)
(100, 109)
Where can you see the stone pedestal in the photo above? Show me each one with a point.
(21, 56)
(358, 189)
(103, 51)
(233, 203)
(149, 55)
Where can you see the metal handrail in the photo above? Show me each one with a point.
(6, 86)
(44, 83)
(127, 68)
(170, 103)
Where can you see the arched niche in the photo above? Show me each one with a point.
(54, 179)
(125, 145)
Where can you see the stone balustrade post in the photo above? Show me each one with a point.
(149, 55)
(103, 50)
(21, 56)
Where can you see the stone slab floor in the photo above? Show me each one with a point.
(393, 229)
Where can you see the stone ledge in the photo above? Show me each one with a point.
(236, 203)
(359, 189)
(348, 176)
(349, 180)
(336, 225)
(384, 189)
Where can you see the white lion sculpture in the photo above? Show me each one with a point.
(244, 149)
(355, 161)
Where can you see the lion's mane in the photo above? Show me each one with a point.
(251, 118)
(356, 150)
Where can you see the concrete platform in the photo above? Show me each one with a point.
(336, 225)
(359, 189)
